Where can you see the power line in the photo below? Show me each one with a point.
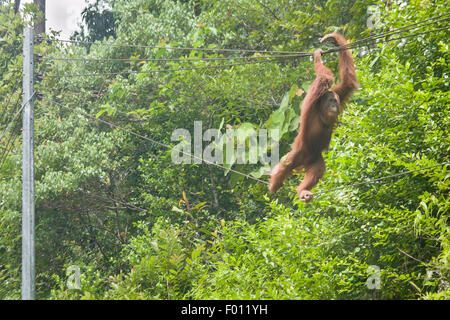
(238, 172)
(10, 143)
(174, 48)
(383, 178)
(354, 45)
(12, 138)
(394, 31)
(345, 47)
(158, 143)
(13, 90)
(300, 54)
(8, 149)
(418, 24)
(159, 70)
(15, 117)
(417, 34)
(172, 59)
(340, 48)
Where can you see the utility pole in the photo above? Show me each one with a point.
(28, 167)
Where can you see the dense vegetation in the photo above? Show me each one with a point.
(141, 227)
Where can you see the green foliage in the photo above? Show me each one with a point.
(10, 80)
(141, 227)
(99, 22)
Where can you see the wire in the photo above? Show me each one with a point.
(13, 90)
(394, 31)
(382, 178)
(15, 116)
(174, 48)
(238, 172)
(349, 46)
(417, 34)
(306, 54)
(159, 70)
(355, 44)
(172, 59)
(340, 48)
(158, 143)
(387, 33)
(8, 149)
(6, 152)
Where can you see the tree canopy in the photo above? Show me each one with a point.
(139, 226)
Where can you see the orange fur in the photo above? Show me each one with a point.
(319, 113)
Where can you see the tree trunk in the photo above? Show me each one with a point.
(39, 25)
(16, 6)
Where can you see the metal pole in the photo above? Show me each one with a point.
(28, 168)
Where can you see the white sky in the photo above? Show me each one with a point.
(63, 15)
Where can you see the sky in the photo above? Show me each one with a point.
(63, 15)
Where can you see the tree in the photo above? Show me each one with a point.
(99, 21)
(39, 25)
(16, 6)
(140, 226)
